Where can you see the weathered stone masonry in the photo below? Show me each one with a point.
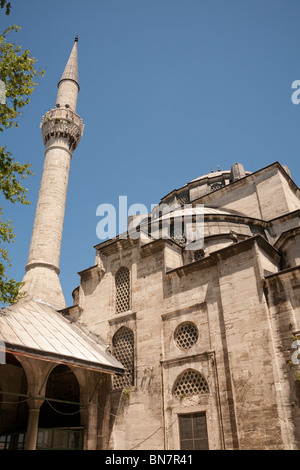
(238, 298)
(164, 347)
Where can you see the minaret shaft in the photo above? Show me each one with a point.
(61, 130)
(48, 225)
(67, 94)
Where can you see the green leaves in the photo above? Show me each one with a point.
(11, 175)
(18, 72)
(7, 5)
(9, 288)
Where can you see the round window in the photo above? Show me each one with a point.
(186, 335)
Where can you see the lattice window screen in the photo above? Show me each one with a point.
(217, 185)
(199, 254)
(190, 383)
(123, 351)
(122, 290)
(186, 335)
(177, 233)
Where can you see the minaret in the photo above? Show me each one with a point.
(62, 129)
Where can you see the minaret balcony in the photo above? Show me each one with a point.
(62, 123)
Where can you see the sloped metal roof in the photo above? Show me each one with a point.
(36, 329)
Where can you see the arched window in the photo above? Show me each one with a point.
(123, 350)
(122, 290)
(190, 383)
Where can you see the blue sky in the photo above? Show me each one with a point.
(169, 90)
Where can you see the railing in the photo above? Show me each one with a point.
(47, 439)
(62, 113)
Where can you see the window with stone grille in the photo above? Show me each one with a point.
(190, 383)
(123, 351)
(186, 335)
(255, 230)
(193, 431)
(122, 290)
(180, 239)
(177, 233)
(198, 254)
(217, 185)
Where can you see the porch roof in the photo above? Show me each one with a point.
(35, 329)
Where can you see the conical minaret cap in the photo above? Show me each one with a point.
(71, 69)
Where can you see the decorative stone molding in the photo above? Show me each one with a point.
(93, 272)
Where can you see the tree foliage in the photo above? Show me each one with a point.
(19, 74)
(7, 5)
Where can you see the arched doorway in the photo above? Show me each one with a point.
(62, 385)
(59, 421)
(13, 404)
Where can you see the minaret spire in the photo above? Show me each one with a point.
(71, 69)
(62, 129)
(68, 86)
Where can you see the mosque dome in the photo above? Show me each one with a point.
(205, 184)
